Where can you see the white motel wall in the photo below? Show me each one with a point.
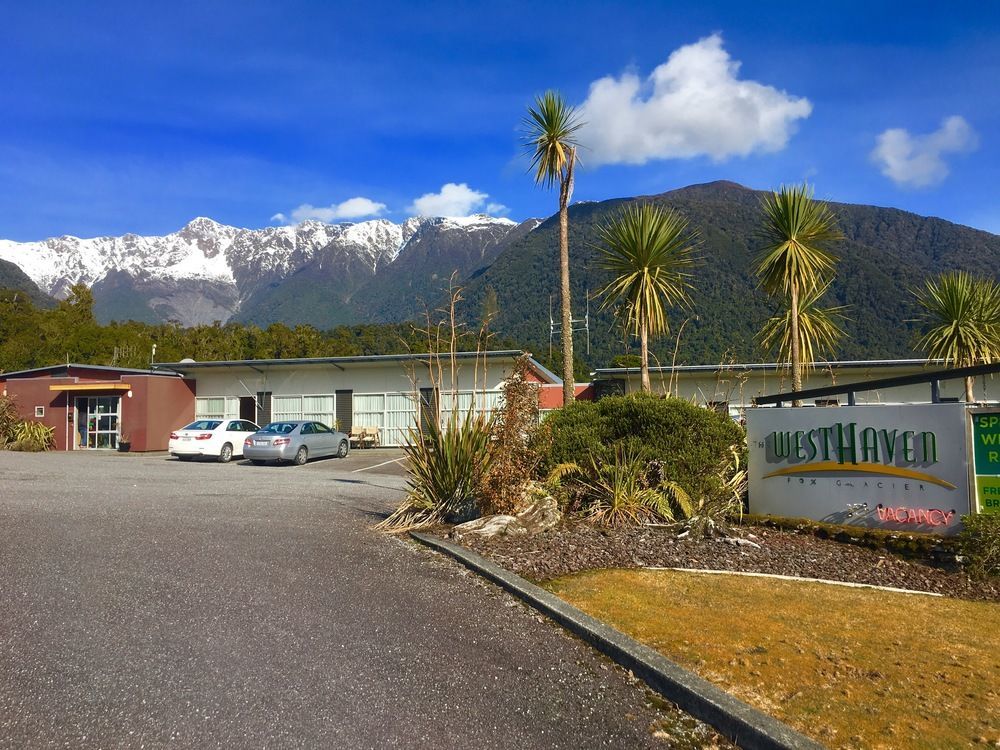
(733, 387)
(383, 392)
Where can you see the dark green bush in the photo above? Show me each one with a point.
(692, 443)
(980, 540)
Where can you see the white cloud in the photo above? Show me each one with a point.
(452, 200)
(692, 105)
(916, 160)
(352, 208)
(497, 209)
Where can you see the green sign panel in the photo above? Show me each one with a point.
(986, 439)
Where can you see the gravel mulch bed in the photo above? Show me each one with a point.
(575, 547)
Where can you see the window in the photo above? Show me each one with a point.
(369, 410)
(317, 408)
(827, 402)
(217, 407)
(286, 407)
(486, 403)
(39, 412)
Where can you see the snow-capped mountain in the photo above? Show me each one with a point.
(209, 271)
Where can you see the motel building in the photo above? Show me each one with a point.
(905, 453)
(732, 388)
(93, 408)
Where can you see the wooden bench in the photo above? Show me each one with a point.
(366, 437)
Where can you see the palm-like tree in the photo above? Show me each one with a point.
(962, 313)
(550, 141)
(818, 327)
(795, 258)
(650, 253)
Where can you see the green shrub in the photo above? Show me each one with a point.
(693, 444)
(980, 540)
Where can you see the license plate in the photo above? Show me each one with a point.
(185, 437)
(260, 442)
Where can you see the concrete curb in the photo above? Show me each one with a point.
(740, 723)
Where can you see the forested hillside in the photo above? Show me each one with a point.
(886, 253)
(14, 279)
(33, 337)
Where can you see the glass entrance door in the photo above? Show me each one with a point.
(98, 424)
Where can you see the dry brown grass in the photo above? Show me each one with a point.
(852, 668)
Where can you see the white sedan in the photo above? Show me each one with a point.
(220, 438)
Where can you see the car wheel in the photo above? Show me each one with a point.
(257, 462)
(342, 450)
(301, 456)
(184, 458)
(226, 454)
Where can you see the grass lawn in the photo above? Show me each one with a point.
(854, 668)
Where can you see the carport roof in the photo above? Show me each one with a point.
(341, 362)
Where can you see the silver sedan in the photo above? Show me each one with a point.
(294, 440)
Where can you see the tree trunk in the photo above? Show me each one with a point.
(796, 364)
(970, 396)
(644, 355)
(565, 193)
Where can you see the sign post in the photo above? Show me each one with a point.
(900, 467)
(986, 460)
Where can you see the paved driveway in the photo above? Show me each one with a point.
(145, 602)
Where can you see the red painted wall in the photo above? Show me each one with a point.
(158, 405)
(32, 392)
(551, 396)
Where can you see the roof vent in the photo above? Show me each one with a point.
(187, 360)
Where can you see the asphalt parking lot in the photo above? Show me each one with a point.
(388, 461)
(146, 601)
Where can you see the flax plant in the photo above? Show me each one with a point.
(623, 491)
(446, 465)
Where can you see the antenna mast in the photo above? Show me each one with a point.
(576, 324)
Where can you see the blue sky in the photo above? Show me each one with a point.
(120, 117)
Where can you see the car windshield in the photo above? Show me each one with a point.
(280, 428)
(204, 424)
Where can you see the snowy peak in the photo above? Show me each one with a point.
(238, 261)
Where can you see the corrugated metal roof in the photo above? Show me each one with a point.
(764, 366)
(102, 368)
(340, 362)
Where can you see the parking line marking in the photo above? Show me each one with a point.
(366, 468)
